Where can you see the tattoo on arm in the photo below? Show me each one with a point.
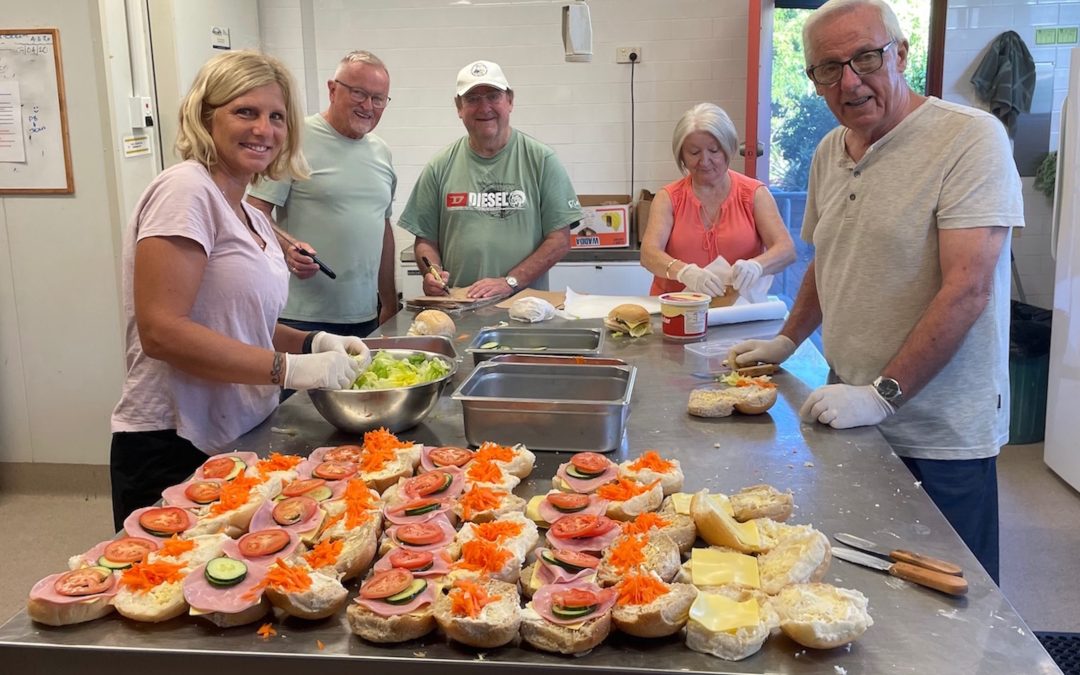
(276, 369)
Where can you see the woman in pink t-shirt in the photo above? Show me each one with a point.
(712, 212)
(204, 280)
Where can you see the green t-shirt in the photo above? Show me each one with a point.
(341, 211)
(489, 214)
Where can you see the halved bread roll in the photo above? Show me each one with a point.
(389, 629)
(822, 616)
(323, 598)
(242, 618)
(660, 555)
(721, 402)
(795, 560)
(662, 616)
(551, 637)
(729, 623)
(718, 528)
(761, 501)
(161, 603)
(495, 622)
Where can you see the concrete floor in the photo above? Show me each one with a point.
(1040, 532)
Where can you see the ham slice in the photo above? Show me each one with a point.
(249, 458)
(133, 529)
(264, 520)
(205, 597)
(425, 460)
(174, 496)
(440, 566)
(586, 545)
(381, 608)
(554, 574)
(584, 485)
(597, 507)
(444, 524)
(542, 599)
(396, 514)
(231, 548)
(46, 590)
(90, 558)
(457, 485)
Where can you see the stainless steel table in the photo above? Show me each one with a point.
(842, 480)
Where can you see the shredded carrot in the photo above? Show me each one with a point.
(752, 382)
(325, 553)
(653, 461)
(479, 498)
(639, 589)
(175, 546)
(621, 489)
(382, 439)
(144, 576)
(627, 553)
(333, 520)
(645, 522)
(234, 495)
(277, 462)
(489, 451)
(266, 631)
(498, 530)
(373, 460)
(479, 555)
(359, 503)
(468, 598)
(319, 644)
(484, 471)
(283, 577)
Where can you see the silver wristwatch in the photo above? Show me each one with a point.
(889, 389)
(512, 282)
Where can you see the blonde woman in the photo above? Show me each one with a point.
(204, 280)
(712, 212)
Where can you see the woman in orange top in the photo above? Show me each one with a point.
(712, 212)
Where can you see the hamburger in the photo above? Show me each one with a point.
(629, 318)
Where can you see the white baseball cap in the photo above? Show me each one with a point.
(480, 73)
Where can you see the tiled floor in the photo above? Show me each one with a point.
(1040, 533)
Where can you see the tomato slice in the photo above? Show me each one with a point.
(574, 527)
(387, 583)
(420, 534)
(576, 559)
(411, 560)
(302, 487)
(164, 521)
(575, 598)
(218, 467)
(343, 453)
(294, 510)
(429, 483)
(568, 501)
(334, 470)
(262, 543)
(129, 549)
(590, 462)
(603, 526)
(203, 491)
(450, 456)
(84, 581)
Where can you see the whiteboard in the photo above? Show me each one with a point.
(35, 156)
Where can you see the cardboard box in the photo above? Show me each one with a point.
(605, 222)
(641, 213)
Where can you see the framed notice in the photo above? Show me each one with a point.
(35, 156)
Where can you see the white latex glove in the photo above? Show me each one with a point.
(843, 406)
(753, 352)
(346, 344)
(324, 370)
(744, 273)
(700, 281)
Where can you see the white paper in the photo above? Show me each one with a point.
(11, 128)
(758, 291)
(741, 311)
(597, 306)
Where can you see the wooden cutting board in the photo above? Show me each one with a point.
(455, 301)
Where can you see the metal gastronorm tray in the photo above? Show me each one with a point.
(521, 340)
(547, 407)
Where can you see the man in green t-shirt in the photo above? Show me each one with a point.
(491, 211)
(343, 211)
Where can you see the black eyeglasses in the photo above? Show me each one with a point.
(358, 95)
(862, 63)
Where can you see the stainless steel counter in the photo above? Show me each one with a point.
(842, 480)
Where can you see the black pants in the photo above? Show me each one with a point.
(143, 463)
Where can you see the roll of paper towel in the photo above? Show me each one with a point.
(773, 308)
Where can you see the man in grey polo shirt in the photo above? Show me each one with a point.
(910, 207)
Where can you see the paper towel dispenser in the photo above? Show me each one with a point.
(577, 31)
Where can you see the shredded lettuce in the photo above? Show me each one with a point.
(388, 372)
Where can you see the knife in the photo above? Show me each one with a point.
(946, 583)
(899, 555)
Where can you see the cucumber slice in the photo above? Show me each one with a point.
(572, 612)
(403, 598)
(225, 571)
(112, 564)
(427, 508)
(551, 559)
(575, 472)
(490, 345)
(320, 494)
(237, 469)
(447, 481)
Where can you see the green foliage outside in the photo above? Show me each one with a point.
(800, 117)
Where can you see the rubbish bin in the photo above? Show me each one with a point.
(1029, 368)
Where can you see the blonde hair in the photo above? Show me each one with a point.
(710, 118)
(219, 81)
(888, 20)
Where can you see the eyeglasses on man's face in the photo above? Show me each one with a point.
(359, 95)
(862, 63)
(491, 97)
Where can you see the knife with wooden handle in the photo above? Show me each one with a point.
(938, 581)
(899, 555)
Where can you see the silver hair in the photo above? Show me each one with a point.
(710, 118)
(888, 19)
(360, 56)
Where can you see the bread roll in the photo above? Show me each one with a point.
(323, 598)
(748, 400)
(661, 556)
(56, 614)
(496, 624)
(161, 603)
(666, 615)
(551, 637)
(761, 501)
(718, 528)
(731, 644)
(389, 629)
(822, 616)
(433, 322)
(795, 560)
(229, 620)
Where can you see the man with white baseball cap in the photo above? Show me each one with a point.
(493, 210)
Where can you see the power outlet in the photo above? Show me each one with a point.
(622, 54)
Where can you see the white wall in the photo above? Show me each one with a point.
(693, 51)
(971, 25)
(61, 359)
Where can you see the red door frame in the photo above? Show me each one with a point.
(753, 75)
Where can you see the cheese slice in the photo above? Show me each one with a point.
(532, 510)
(710, 567)
(681, 502)
(720, 614)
